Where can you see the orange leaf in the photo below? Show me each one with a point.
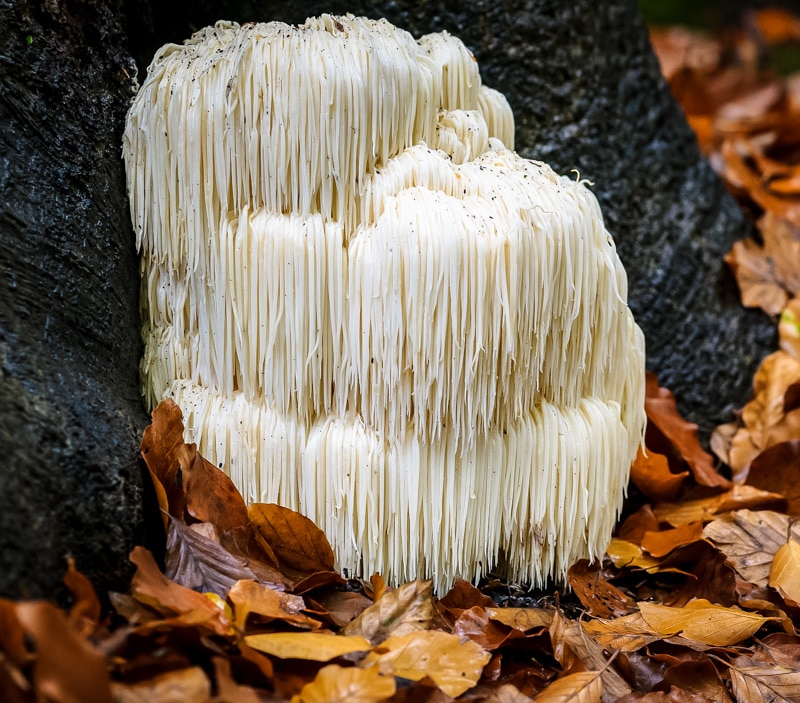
(662, 412)
(68, 669)
(581, 687)
(784, 574)
(600, 598)
(296, 541)
(335, 684)
(160, 441)
(151, 587)
(313, 646)
(251, 597)
(650, 472)
(775, 469)
(659, 544)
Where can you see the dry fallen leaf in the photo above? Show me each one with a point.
(454, 663)
(313, 646)
(250, 597)
(189, 684)
(754, 682)
(661, 543)
(749, 539)
(338, 684)
(581, 687)
(702, 621)
(522, 619)
(628, 633)
(406, 609)
(784, 574)
(704, 509)
(652, 476)
(297, 542)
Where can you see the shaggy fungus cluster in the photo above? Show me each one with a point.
(371, 310)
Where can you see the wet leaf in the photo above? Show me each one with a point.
(334, 684)
(313, 646)
(750, 539)
(399, 612)
(454, 663)
(297, 542)
(702, 621)
(784, 574)
(582, 687)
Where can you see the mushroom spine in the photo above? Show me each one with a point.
(371, 310)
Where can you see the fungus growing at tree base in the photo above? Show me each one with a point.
(371, 310)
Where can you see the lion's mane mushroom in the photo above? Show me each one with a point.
(371, 310)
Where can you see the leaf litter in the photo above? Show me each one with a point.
(696, 600)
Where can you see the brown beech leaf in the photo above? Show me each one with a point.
(68, 669)
(190, 684)
(507, 693)
(623, 553)
(335, 684)
(197, 560)
(749, 539)
(408, 608)
(160, 442)
(598, 596)
(476, 624)
(86, 610)
(462, 596)
(453, 662)
(522, 619)
(662, 413)
(755, 682)
(151, 587)
(313, 646)
(702, 621)
(628, 633)
(342, 607)
(650, 472)
(661, 543)
(635, 526)
(581, 687)
(776, 470)
(269, 604)
(297, 542)
(784, 573)
(704, 509)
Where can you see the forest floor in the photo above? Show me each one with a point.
(697, 598)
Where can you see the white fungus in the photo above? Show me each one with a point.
(371, 310)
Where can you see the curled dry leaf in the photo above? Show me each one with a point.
(297, 543)
(784, 573)
(627, 634)
(661, 543)
(775, 470)
(454, 663)
(703, 622)
(198, 561)
(313, 646)
(750, 539)
(408, 608)
(623, 553)
(652, 476)
(338, 684)
(599, 597)
(672, 430)
(151, 587)
(250, 597)
(582, 687)
(705, 509)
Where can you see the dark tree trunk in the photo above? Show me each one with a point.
(586, 92)
(70, 410)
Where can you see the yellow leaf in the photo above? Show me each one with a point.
(454, 664)
(406, 609)
(335, 684)
(784, 575)
(583, 687)
(253, 597)
(703, 622)
(314, 646)
(624, 553)
(523, 619)
(627, 633)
